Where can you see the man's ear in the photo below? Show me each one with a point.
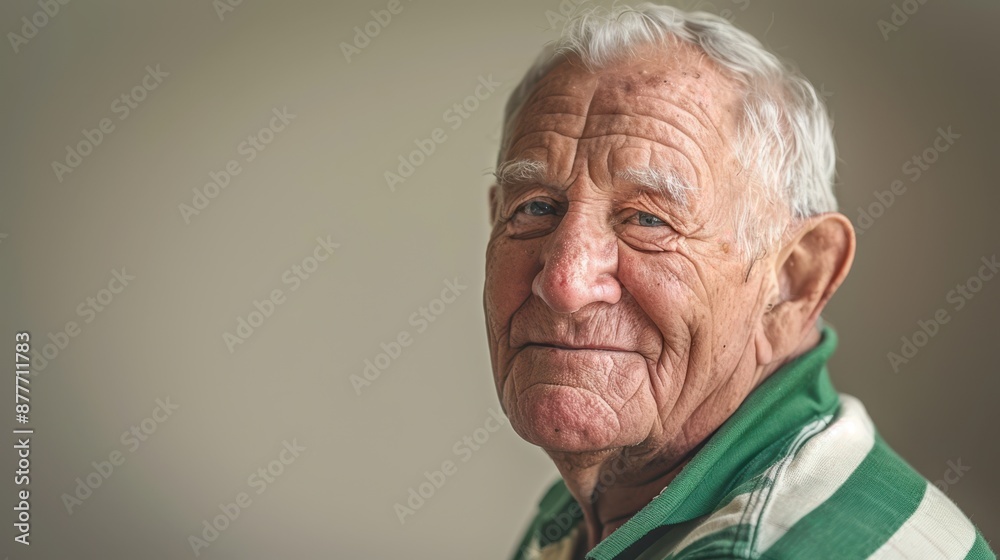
(809, 268)
(494, 204)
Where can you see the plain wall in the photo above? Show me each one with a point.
(323, 176)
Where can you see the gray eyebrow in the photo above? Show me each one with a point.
(520, 171)
(663, 182)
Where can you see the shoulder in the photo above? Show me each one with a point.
(843, 488)
(836, 486)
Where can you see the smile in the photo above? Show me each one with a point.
(577, 348)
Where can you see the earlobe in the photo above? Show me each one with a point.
(811, 266)
(762, 345)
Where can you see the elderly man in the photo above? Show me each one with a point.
(664, 239)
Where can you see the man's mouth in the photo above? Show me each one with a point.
(560, 346)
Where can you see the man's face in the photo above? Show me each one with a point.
(617, 314)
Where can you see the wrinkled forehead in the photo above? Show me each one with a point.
(675, 110)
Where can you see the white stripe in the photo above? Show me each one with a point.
(822, 465)
(938, 529)
(559, 550)
(725, 517)
(747, 506)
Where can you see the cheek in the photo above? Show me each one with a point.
(667, 289)
(510, 269)
(673, 296)
(702, 314)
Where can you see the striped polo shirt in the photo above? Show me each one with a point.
(797, 471)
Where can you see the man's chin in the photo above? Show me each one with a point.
(558, 418)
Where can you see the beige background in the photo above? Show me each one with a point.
(323, 176)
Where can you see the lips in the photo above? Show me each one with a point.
(564, 346)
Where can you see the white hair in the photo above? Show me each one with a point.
(784, 138)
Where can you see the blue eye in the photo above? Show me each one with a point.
(538, 208)
(648, 220)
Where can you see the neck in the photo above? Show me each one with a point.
(610, 490)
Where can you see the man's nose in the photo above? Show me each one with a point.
(579, 265)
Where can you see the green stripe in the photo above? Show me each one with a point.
(660, 544)
(871, 505)
(558, 514)
(980, 550)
